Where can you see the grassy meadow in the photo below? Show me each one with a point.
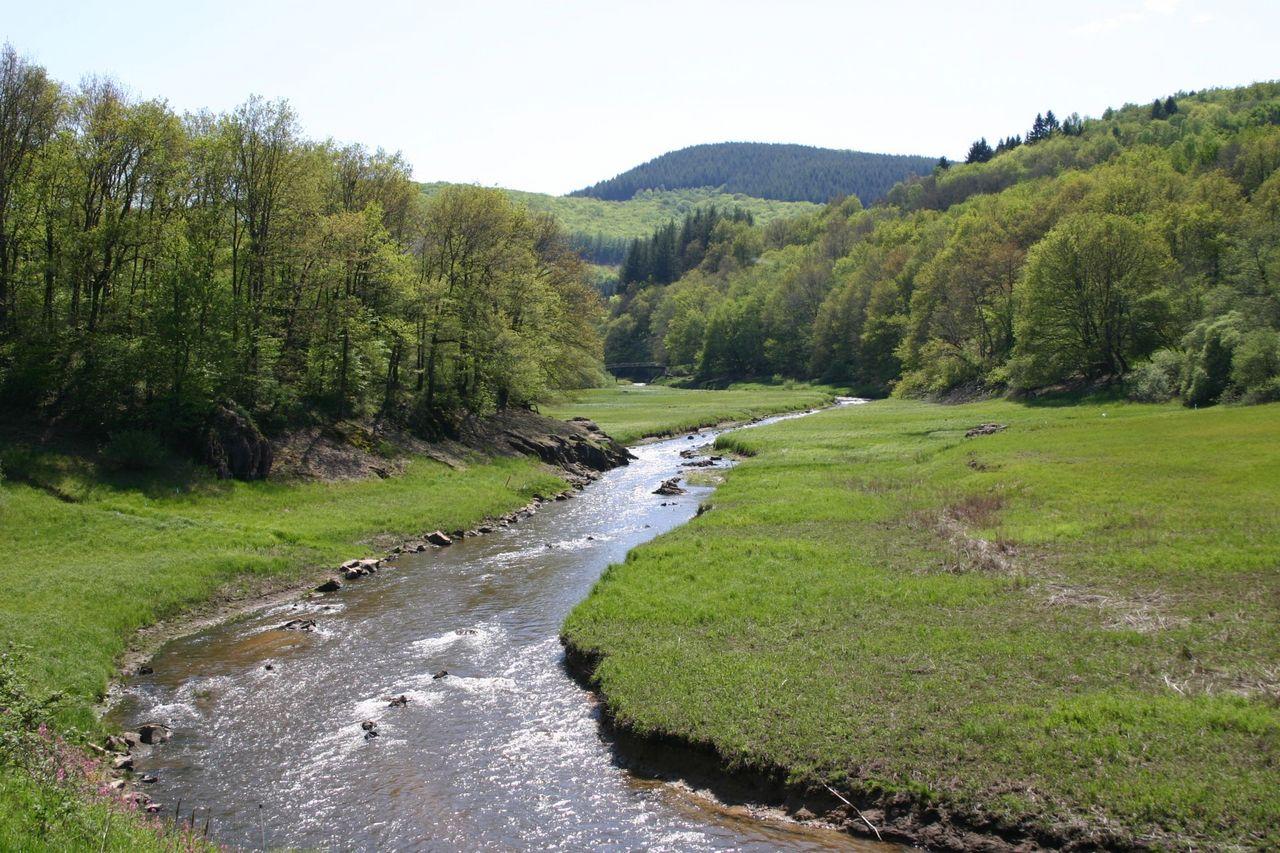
(1073, 619)
(631, 412)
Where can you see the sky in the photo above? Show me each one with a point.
(552, 96)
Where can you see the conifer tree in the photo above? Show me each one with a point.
(979, 152)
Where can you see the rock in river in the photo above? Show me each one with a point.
(153, 733)
(438, 537)
(669, 487)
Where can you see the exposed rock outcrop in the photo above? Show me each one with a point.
(578, 445)
(985, 429)
(234, 446)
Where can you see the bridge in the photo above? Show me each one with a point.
(637, 371)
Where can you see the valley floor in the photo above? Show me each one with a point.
(632, 412)
(1063, 631)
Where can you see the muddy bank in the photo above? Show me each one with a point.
(899, 817)
(348, 450)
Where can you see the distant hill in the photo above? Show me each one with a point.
(766, 170)
(603, 229)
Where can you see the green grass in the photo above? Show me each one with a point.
(631, 412)
(40, 817)
(83, 577)
(1120, 664)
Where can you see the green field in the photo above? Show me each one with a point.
(1073, 619)
(631, 412)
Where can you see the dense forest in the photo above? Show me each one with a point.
(154, 265)
(602, 230)
(673, 250)
(1141, 246)
(766, 170)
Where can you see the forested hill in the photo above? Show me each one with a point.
(1142, 245)
(766, 170)
(602, 230)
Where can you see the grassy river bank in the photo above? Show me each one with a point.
(91, 558)
(1063, 631)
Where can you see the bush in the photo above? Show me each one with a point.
(1255, 364)
(134, 450)
(1210, 346)
(1267, 392)
(1155, 381)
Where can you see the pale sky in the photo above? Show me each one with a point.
(551, 96)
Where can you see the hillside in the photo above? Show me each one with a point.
(1136, 247)
(766, 170)
(603, 229)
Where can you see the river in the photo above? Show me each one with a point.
(505, 752)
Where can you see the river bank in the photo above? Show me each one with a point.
(453, 660)
(178, 552)
(1054, 631)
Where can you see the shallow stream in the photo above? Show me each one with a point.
(505, 752)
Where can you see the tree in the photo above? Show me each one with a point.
(1093, 300)
(979, 152)
(1038, 130)
(29, 109)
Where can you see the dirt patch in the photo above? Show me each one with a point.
(966, 552)
(1145, 613)
(353, 450)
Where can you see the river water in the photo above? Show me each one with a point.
(505, 752)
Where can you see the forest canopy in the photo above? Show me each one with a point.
(153, 265)
(1140, 247)
(766, 170)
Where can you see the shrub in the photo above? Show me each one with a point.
(1155, 381)
(133, 450)
(1255, 364)
(1210, 346)
(1266, 392)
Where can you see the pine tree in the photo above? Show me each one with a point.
(1157, 109)
(943, 164)
(979, 152)
(1170, 106)
(1037, 131)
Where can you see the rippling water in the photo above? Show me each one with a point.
(503, 753)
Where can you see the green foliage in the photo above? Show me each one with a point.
(1092, 300)
(1155, 381)
(134, 450)
(1047, 625)
(151, 264)
(602, 230)
(765, 170)
(1068, 258)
